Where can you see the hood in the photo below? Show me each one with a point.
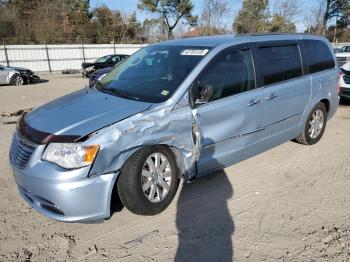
(81, 113)
(101, 72)
(19, 68)
(342, 54)
(86, 64)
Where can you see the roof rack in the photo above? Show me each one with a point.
(273, 33)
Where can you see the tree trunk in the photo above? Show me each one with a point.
(170, 34)
(325, 18)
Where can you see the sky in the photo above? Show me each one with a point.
(130, 6)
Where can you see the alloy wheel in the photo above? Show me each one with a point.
(316, 124)
(156, 177)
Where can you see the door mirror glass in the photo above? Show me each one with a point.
(206, 93)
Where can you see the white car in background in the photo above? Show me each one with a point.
(344, 81)
(343, 55)
(10, 76)
(17, 76)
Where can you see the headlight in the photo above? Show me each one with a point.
(72, 155)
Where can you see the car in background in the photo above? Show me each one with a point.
(17, 76)
(98, 74)
(344, 81)
(343, 55)
(102, 62)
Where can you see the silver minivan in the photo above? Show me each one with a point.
(176, 109)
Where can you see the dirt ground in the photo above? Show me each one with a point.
(288, 204)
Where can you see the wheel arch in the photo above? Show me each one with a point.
(13, 77)
(326, 102)
(178, 155)
(179, 160)
(311, 105)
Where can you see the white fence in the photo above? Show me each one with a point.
(48, 58)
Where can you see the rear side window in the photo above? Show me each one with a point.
(279, 63)
(319, 56)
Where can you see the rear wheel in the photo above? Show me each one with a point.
(314, 126)
(17, 80)
(148, 181)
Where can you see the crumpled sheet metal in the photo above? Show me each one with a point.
(162, 126)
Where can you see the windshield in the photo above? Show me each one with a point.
(153, 73)
(345, 49)
(102, 59)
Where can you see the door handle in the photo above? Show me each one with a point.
(271, 97)
(253, 102)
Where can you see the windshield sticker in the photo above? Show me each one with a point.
(195, 52)
(165, 92)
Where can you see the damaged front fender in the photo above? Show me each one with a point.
(173, 127)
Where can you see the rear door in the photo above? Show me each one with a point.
(230, 121)
(287, 89)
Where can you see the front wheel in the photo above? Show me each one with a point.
(17, 80)
(314, 126)
(149, 180)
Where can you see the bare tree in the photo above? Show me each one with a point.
(211, 20)
(313, 18)
(286, 9)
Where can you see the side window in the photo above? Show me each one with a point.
(279, 63)
(319, 56)
(115, 59)
(230, 73)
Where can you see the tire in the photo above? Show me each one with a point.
(135, 182)
(16, 80)
(308, 137)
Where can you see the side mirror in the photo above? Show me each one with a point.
(206, 93)
(96, 81)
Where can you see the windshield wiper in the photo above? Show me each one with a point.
(116, 92)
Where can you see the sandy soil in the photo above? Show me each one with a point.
(290, 203)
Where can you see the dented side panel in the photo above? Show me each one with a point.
(172, 127)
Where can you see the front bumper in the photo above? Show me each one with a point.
(69, 196)
(34, 78)
(344, 86)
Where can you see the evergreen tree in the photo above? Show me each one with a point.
(252, 18)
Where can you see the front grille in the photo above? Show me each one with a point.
(346, 79)
(42, 202)
(345, 92)
(341, 60)
(21, 151)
